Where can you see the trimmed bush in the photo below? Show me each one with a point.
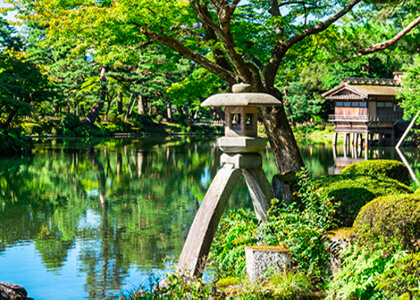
(390, 222)
(351, 192)
(380, 167)
(320, 127)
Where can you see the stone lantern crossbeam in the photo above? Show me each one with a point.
(240, 146)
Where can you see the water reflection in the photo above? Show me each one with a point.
(346, 155)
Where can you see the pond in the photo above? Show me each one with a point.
(95, 218)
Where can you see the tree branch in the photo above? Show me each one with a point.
(282, 47)
(384, 45)
(226, 75)
(321, 26)
(233, 6)
(187, 31)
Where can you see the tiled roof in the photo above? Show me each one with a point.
(359, 92)
(368, 81)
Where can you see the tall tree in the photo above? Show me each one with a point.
(238, 43)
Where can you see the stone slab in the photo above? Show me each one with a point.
(242, 160)
(241, 144)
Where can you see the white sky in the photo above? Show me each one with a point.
(10, 15)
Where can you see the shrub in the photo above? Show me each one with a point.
(350, 192)
(300, 226)
(330, 128)
(32, 128)
(390, 222)
(235, 232)
(13, 143)
(401, 276)
(320, 127)
(70, 122)
(381, 167)
(359, 271)
(159, 118)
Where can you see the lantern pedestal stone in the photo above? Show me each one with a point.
(240, 146)
(263, 259)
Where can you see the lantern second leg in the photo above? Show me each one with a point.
(203, 229)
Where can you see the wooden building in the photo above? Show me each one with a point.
(367, 109)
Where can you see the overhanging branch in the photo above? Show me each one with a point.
(384, 45)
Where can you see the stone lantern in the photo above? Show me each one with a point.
(240, 147)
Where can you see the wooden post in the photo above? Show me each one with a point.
(367, 140)
(335, 138)
(346, 139)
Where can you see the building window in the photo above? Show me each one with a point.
(339, 104)
(363, 104)
(389, 104)
(346, 104)
(355, 104)
(380, 104)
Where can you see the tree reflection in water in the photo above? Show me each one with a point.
(122, 203)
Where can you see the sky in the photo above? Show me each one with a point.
(10, 15)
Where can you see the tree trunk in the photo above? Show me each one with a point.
(219, 111)
(97, 107)
(140, 105)
(283, 144)
(10, 119)
(119, 103)
(169, 110)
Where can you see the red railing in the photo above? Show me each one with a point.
(365, 118)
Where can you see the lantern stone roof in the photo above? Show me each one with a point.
(242, 96)
(242, 99)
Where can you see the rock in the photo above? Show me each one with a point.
(10, 291)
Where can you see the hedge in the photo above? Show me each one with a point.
(390, 222)
(353, 191)
(380, 167)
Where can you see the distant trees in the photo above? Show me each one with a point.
(22, 84)
(410, 90)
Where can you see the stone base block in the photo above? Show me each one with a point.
(263, 259)
(242, 161)
(242, 144)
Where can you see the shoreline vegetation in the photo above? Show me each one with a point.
(347, 239)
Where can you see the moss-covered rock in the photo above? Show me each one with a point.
(390, 222)
(353, 191)
(380, 167)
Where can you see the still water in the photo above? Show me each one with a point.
(93, 219)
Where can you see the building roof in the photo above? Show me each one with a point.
(359, 92)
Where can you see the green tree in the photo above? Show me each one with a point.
(238, 43)
(410, 90)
